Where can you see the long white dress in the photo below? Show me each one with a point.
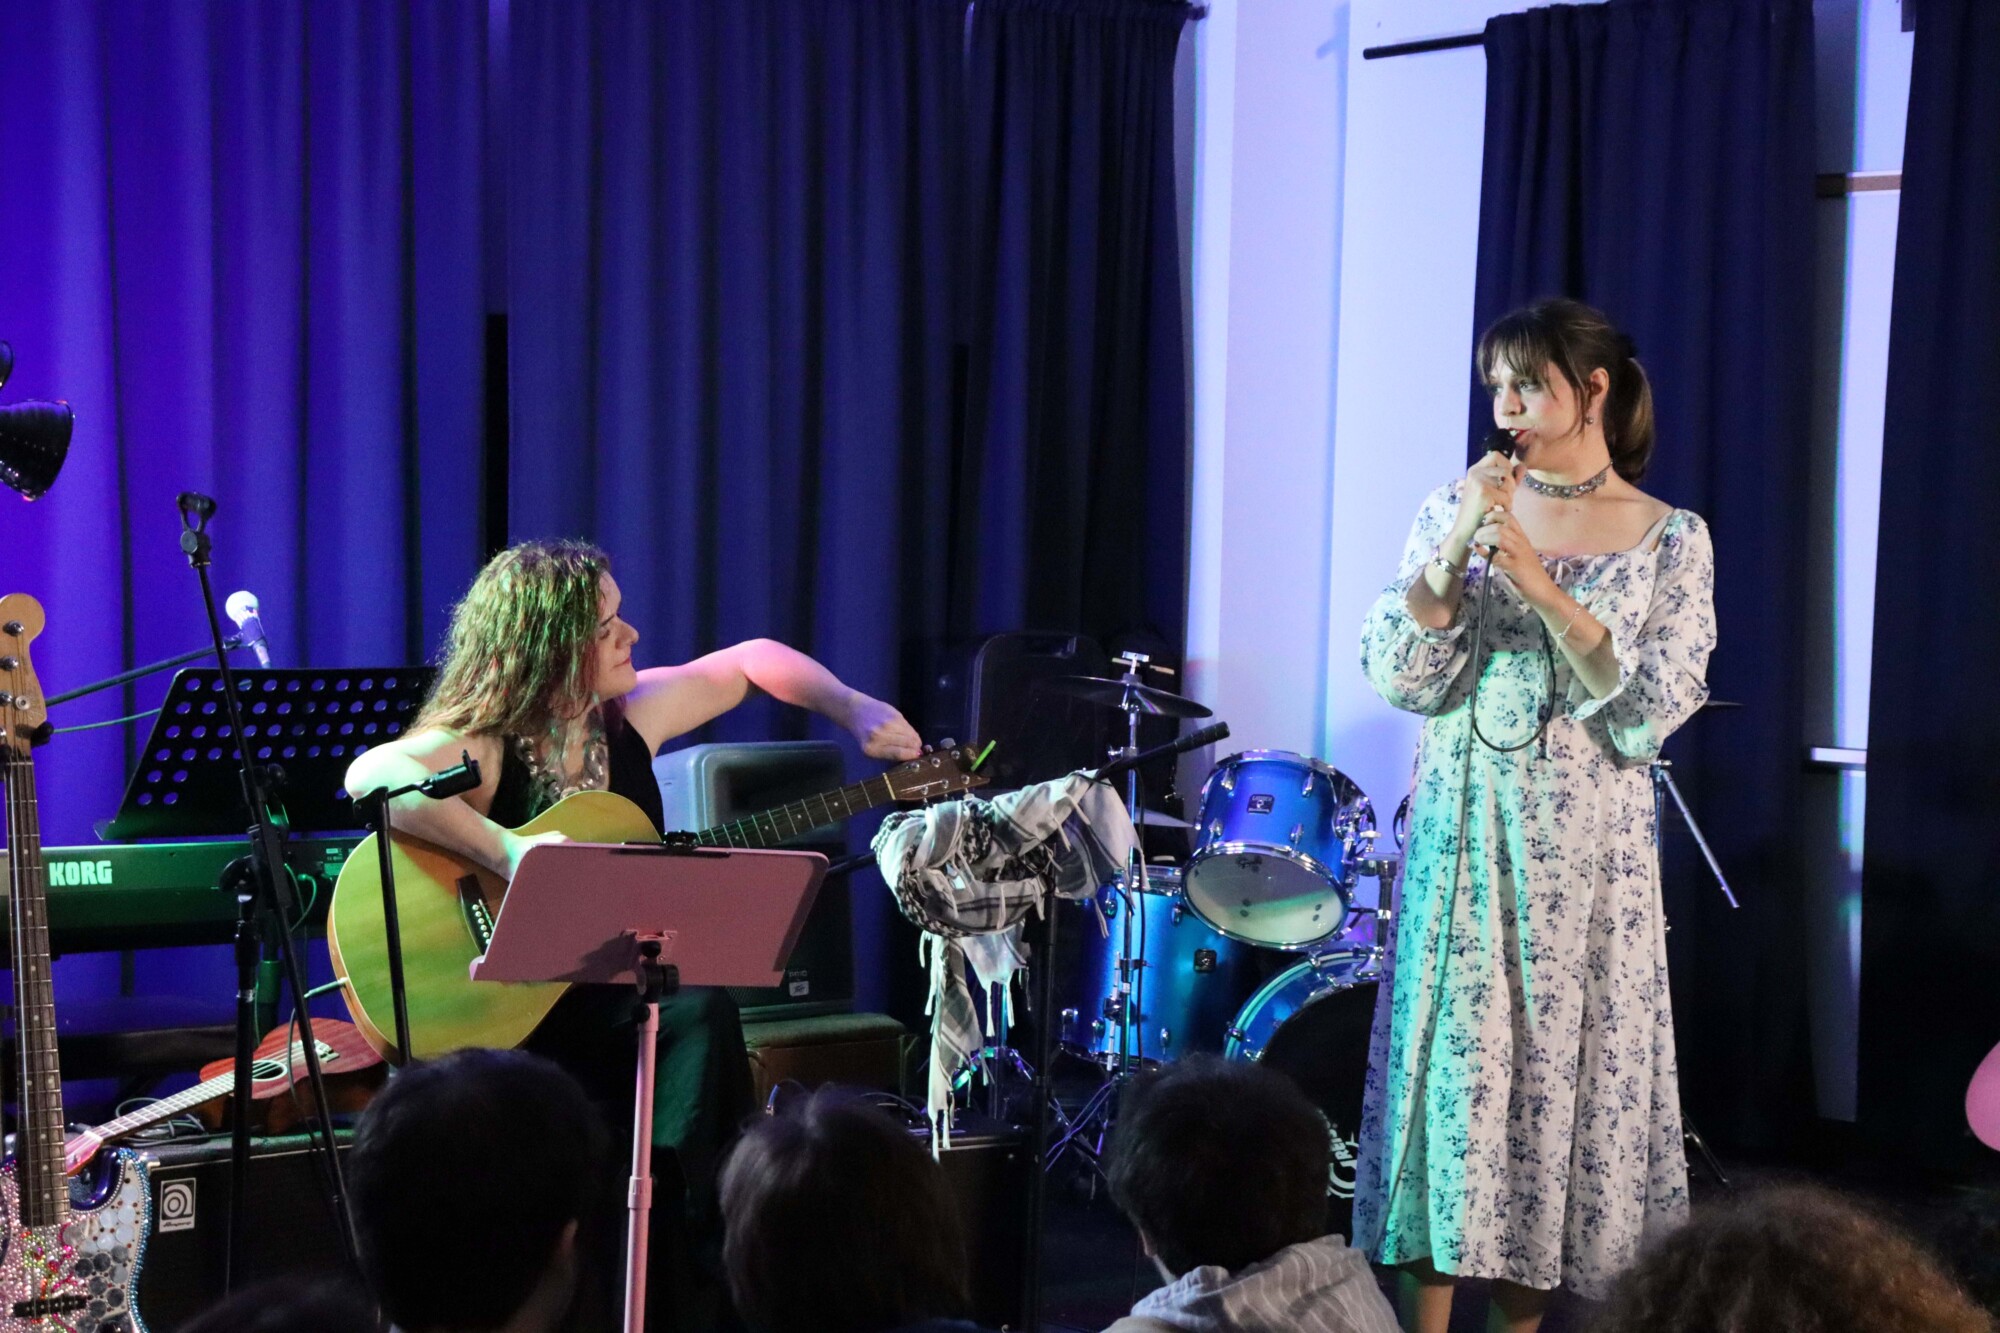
(1522, 1118)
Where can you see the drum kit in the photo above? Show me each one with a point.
(1177, 958)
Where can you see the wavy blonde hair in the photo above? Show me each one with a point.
(517, 658)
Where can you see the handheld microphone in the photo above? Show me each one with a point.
(242, 608)
(1194, 740)
(1502, 441)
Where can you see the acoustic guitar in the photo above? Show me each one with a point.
(446, 905)
(69, 1250)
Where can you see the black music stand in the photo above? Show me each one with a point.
(308, 723)
(650, 915)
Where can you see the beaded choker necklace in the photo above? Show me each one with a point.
(1557, 492)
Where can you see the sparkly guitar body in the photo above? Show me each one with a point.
(80, 1275)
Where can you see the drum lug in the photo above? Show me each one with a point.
(1215, 831)
(1229, 779)
(1311, 777)
(1298, 831)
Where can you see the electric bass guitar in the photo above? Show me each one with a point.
(277, 1066)
(69, 1249)
(446, 905)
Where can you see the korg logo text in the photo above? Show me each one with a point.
(79, 872)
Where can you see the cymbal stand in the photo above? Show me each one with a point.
(1663, 788)
(1124, 1007)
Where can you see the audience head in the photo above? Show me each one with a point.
(291, 1305)
(1795, 1259)
(469, 1177)
(1219, 1163)
(837, 1219)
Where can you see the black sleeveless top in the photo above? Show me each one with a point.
(628, 772)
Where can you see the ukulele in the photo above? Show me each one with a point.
(277, 1066)
(446, 905)
(69, 1251)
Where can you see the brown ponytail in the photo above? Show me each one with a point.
(1577, 339)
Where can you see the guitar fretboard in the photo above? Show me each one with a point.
(771, 827)
(44, 1195)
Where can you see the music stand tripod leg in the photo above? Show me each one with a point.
(661, 980)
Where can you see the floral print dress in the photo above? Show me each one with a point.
(1522, 1118)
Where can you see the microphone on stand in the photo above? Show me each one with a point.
(242, 608)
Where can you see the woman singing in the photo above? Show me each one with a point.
(1522, 1119)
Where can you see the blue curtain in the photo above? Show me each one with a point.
(1075, 455)
(243, 241)
(1930, 925)
(729, 314)
(1655, 158)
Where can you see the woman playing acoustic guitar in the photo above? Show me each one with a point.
(539, 687)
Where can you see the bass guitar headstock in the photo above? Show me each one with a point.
(939, 773)
(24, 714)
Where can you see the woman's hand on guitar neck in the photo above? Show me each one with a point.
(517, 845)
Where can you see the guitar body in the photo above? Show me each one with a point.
(438, 897)
(80, 1275)
(280, 1094)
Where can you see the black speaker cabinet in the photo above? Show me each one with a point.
(704, 786)
(987, 1169)
(291, 1229)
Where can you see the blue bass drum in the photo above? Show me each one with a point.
(1311, 1023)
(1275, 847)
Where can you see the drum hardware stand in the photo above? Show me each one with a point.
(1664, 787)
(266, 894)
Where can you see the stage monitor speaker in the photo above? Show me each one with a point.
(704, 786)
(291, 1228)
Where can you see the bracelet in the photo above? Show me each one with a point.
(1439, 562)
(1562, 639)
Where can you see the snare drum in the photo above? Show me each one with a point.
(1193, 980)
(1274, 847)
(1311, 1023)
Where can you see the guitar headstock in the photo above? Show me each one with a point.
(23, 711)
(937, 774)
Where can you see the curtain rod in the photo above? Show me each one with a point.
(1427, 44)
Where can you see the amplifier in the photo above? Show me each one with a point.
(986, 1169)
(291, 1227)
(704, 786)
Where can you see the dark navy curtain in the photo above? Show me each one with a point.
(243, 241)
(1655, 158)
(1072, 485)
(730, 303)
(1930, 925)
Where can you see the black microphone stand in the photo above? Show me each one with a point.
(461, 778)
(265, 894)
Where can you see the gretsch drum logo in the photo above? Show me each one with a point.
(68, 873)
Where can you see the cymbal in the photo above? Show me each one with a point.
(1160, 819)
(1113, 694)
(1720, 703)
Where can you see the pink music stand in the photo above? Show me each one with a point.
(649, 915)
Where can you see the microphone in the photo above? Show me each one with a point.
(1194, 740)
(242, 608)
(1502, 441)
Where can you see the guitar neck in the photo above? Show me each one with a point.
(772, 827)
(44, 1195)
(113, 1130)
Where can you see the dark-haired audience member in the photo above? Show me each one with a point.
(291, 1305)
(1794, 1259)
(470, 1179)
(1222, 1167)
(836, 1220)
